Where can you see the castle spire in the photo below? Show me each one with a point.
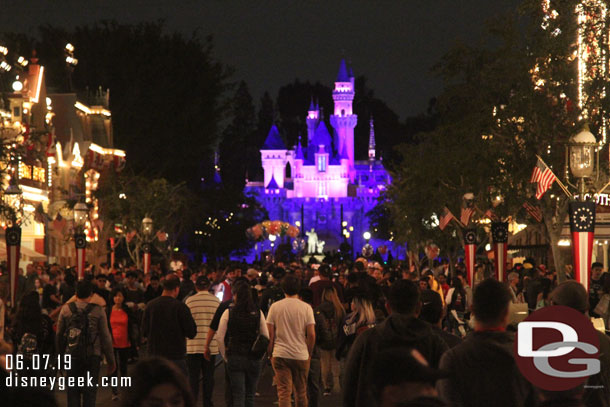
(343, 75)
(371, 139)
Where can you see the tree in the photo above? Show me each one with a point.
(167, 92)
(511, 97)
(237, 153)
(126, 199)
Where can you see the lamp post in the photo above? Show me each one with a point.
(81, 212)
(147, 229)
(13, 200)
(582, 213)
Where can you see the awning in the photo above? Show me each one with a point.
(25, 253)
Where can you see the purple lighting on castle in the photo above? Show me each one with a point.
(322, 182)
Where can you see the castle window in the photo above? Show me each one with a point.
(322, 191)
(321, 163)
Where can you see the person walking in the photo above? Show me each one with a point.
(401, 329)
(333, 313)
(167, 323)
(121, 322)
(203, 305)
(485, 358)
(240, 326)
(82, 332)
(292, 337)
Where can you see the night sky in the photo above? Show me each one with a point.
(270, 43)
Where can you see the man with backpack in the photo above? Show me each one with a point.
(82, 333)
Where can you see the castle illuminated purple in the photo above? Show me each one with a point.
(321, 185)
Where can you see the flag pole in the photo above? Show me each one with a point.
(557, 180)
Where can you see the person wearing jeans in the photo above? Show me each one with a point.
(203, 306)
(292, 337)
(238, 330)
(121, 323)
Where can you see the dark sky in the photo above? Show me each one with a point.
(270, 43)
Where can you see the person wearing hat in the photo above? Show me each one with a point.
(203, 305)
(403, 377)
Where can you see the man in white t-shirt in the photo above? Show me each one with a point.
(291, 340)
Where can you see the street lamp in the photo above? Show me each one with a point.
(367, 236)
(147, 230)
(81, 212)
(13, 202)
(582, 213)
(582, 159)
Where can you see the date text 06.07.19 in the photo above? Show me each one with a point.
(34, 362)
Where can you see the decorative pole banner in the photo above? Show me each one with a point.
(80, 241)
(582, 226)
(112, 253)
(499, 234)
(146, 258)
(13, 248)
(470, 248)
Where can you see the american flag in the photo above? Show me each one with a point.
(445, 218)
(533, 211)
(543, 176)
(466, 214)
(582, 226)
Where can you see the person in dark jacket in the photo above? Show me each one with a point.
(597, 387)
(167, 323)
(485, 359)
(402, 377)
(238, 330)
(432, 313)
(401, 329)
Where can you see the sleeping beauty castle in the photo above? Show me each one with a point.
(318, 184)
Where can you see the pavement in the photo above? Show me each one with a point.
(267, 398)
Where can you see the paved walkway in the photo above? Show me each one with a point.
(267, 398)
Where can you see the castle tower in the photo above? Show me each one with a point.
(313, 119)
(371, 140)
(273, 157)
(343, 119)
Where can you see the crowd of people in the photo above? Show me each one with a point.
(380, 335)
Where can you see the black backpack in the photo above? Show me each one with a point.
(329, 331)
(28, 345)
(76, 335)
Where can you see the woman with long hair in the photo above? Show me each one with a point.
(239, 328)
(121, 323)
(332, 313)
(32, 331)
(456, 300)
(361, 318)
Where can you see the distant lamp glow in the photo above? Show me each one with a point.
(81, 210)
(69, 47)
(147, 226)
(487, 247)
(272, 238)
(564, 243)
(366, 235)
(17, 86)
(297, 223)
(344, 223)
(582, 148)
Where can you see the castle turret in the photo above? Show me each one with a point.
(343, 119)
(274, 158)
(313, 119)
(371, 140)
